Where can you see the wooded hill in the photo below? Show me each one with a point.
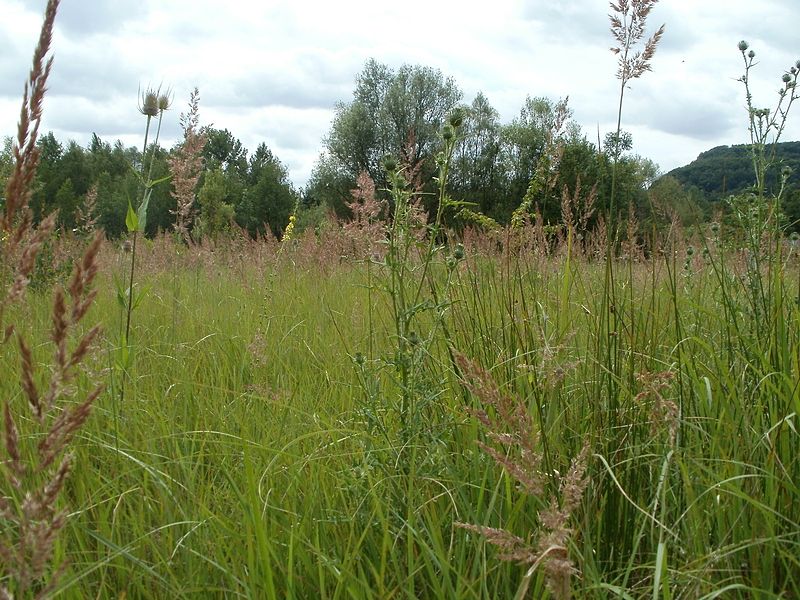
(728, 170)
(697, 191)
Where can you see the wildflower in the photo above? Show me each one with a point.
(287, 234)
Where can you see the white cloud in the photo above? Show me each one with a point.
(272, 70)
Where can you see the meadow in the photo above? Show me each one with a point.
(393, 408)
(262, 449)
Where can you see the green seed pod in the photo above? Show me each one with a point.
(456, 118)
(458, 252)
(743, 45)
(786, 78)
(448, 132)
(389, 163)
(751, 54)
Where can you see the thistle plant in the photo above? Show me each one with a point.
(37, 459)
(766, 126)
(404, 424)
(153, 104)
(758, 213)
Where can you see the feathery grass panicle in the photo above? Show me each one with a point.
(32, 486)
(509, 424)
(86, 215)
(367, 227)
(27, 544)
(26, 155)
(512, 426)
(628, 23)
(186, 167)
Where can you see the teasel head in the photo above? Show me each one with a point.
(164, 100)
(150, 103)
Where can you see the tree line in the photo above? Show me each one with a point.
(398, 112)
(251, 191)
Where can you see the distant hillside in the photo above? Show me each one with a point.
(728, 169)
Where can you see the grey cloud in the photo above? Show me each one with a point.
(92, 71)
(276, 89)
(569, 21)
(696, 118)
(85, 18)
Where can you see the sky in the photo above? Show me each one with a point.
(273, 71)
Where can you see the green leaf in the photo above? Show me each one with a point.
(142, 220)
(157, 181)
(131, 220)
(122, 292)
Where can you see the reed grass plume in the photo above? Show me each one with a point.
(628, 23)
(37, 458)
(508, 423)
(186, 166)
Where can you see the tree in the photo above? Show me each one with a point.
(215, 214)
(269, 199)
(224, 151)
(669, 199)
(477, 174)
(67, 201)
(390, 109)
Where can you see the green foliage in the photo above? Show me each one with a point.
(723, 171)
(726, 170)
(269, 198)
(216, 215)
(392, 112)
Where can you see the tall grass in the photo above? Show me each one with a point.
(248, 464)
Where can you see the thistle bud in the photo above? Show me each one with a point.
(448, 132)
(786, 78)
(751, 54)
(458, 252)
(743, 45)
(456, 118)
(389, 163)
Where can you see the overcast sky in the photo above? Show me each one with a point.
(273, 70)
